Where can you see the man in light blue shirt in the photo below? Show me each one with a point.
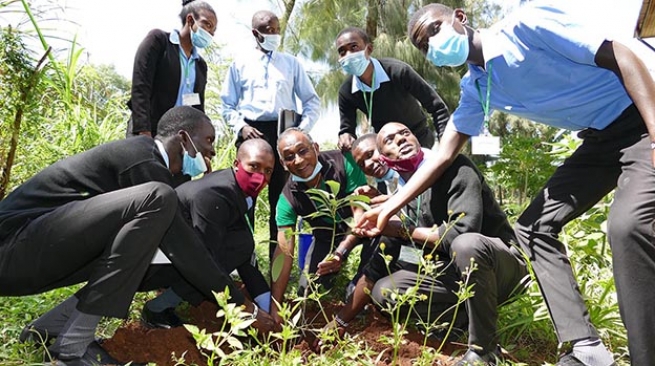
(257, 87)
(548, 63)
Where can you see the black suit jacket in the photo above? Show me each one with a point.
(156, 81)
(216, 207)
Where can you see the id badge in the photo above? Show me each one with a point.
(485, 145)
(410, 255)
(191, 99)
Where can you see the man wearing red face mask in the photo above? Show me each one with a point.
(216, 205)
(456, 220)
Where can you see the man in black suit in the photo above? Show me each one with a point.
(99, 216)
(216, 205)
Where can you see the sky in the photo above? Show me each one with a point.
(110, 31)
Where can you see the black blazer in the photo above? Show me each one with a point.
(156, 81)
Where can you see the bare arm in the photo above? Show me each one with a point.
(373, 221)
(284, 248)
(635, 77)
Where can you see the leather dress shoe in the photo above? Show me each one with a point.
(95, 355)
(32, 334)
(473, 358)
(165, 319)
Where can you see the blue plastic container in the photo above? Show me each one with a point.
(304, 243)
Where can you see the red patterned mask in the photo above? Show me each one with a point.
(404, 165)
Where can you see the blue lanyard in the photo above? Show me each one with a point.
(186, 65)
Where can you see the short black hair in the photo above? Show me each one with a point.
(358, 31)
(179, 118)
(194, 7)
(362, 138)
(434, 7)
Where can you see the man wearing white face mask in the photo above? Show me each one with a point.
(384, 90)
(259, 85)
(168, 71)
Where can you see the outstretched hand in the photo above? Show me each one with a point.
(372, 222)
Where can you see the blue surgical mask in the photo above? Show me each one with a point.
(271, 41)
(448, 48)
(317, 170)
(354, 63)
(200, 38)
(387, 177)
(193, 166)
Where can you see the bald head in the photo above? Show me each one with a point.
(262, 18)
(253, 146)
(396, 141)
(256, 156)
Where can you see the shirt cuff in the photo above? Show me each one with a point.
(264, 301)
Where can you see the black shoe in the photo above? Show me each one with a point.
(32, 334)
(473, 358)
(95, 355)
(165, 319)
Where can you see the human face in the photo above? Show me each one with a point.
(298, 156)
(270, 26)
(430, 24)
(350, 42)
(205, 19)
(367, 157)
(203, 140)
(257, 161)
(396, 142)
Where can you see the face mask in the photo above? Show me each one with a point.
(354, 63)
(250, 183)
(193, 166)
(387, 177)
(448, 48)
(200, 38)
(271, 41)
(317, 170)
(404, 165)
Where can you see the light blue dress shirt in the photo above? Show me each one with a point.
(258, 85)
(542, 68)
(187, 69)
(379, 76)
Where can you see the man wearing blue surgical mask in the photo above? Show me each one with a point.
(384, 90)
(168, 70)
(310, 168)
(550, 63)
(257, 87)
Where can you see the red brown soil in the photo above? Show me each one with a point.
(133, 342)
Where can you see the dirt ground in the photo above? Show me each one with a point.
(133, 342)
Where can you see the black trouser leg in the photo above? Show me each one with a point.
(108, 240)
(499, 272)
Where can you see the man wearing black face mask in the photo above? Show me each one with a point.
(433, 226)
(216, 205)
(257, 87)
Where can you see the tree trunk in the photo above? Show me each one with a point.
(15, 132)
(372, 16)
(288, 10)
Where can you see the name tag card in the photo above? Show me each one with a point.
(410, 255)
(485, 145)
(191, 99)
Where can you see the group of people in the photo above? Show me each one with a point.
(126, 217)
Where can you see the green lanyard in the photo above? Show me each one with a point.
(485, 103)
(415, 221)
(369, 102)
(249, 224)
(186, 64)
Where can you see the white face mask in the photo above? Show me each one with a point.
(271, 41)
(317, 170)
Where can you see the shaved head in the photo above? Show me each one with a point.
(253, 146)
(262, 18)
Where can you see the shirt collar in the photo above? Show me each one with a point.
(380, 76)
(174, 38)
(163, 153)
(427, 154)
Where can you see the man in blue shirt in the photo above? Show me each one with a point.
(257, 87)
(545, 64)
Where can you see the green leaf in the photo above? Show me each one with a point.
(334, 186)
(276, 268)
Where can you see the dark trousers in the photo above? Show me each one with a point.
(278, 179)
(619, 153)
(109, 240)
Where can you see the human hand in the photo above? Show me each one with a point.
(208, 163)
(367, 191)
(249, 132)
(372, 222)
(146, 133)
(328, 328)
(264, 323)
(274, 314)
(345, 142)
(331, 264)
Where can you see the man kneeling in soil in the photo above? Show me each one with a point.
(216, 205)
(100, 216)
(457, 220)
(300, 156)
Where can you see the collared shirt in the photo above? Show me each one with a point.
(187, 69)
(541, 60)
(379, 76)
(162, 151)
(257, 86)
